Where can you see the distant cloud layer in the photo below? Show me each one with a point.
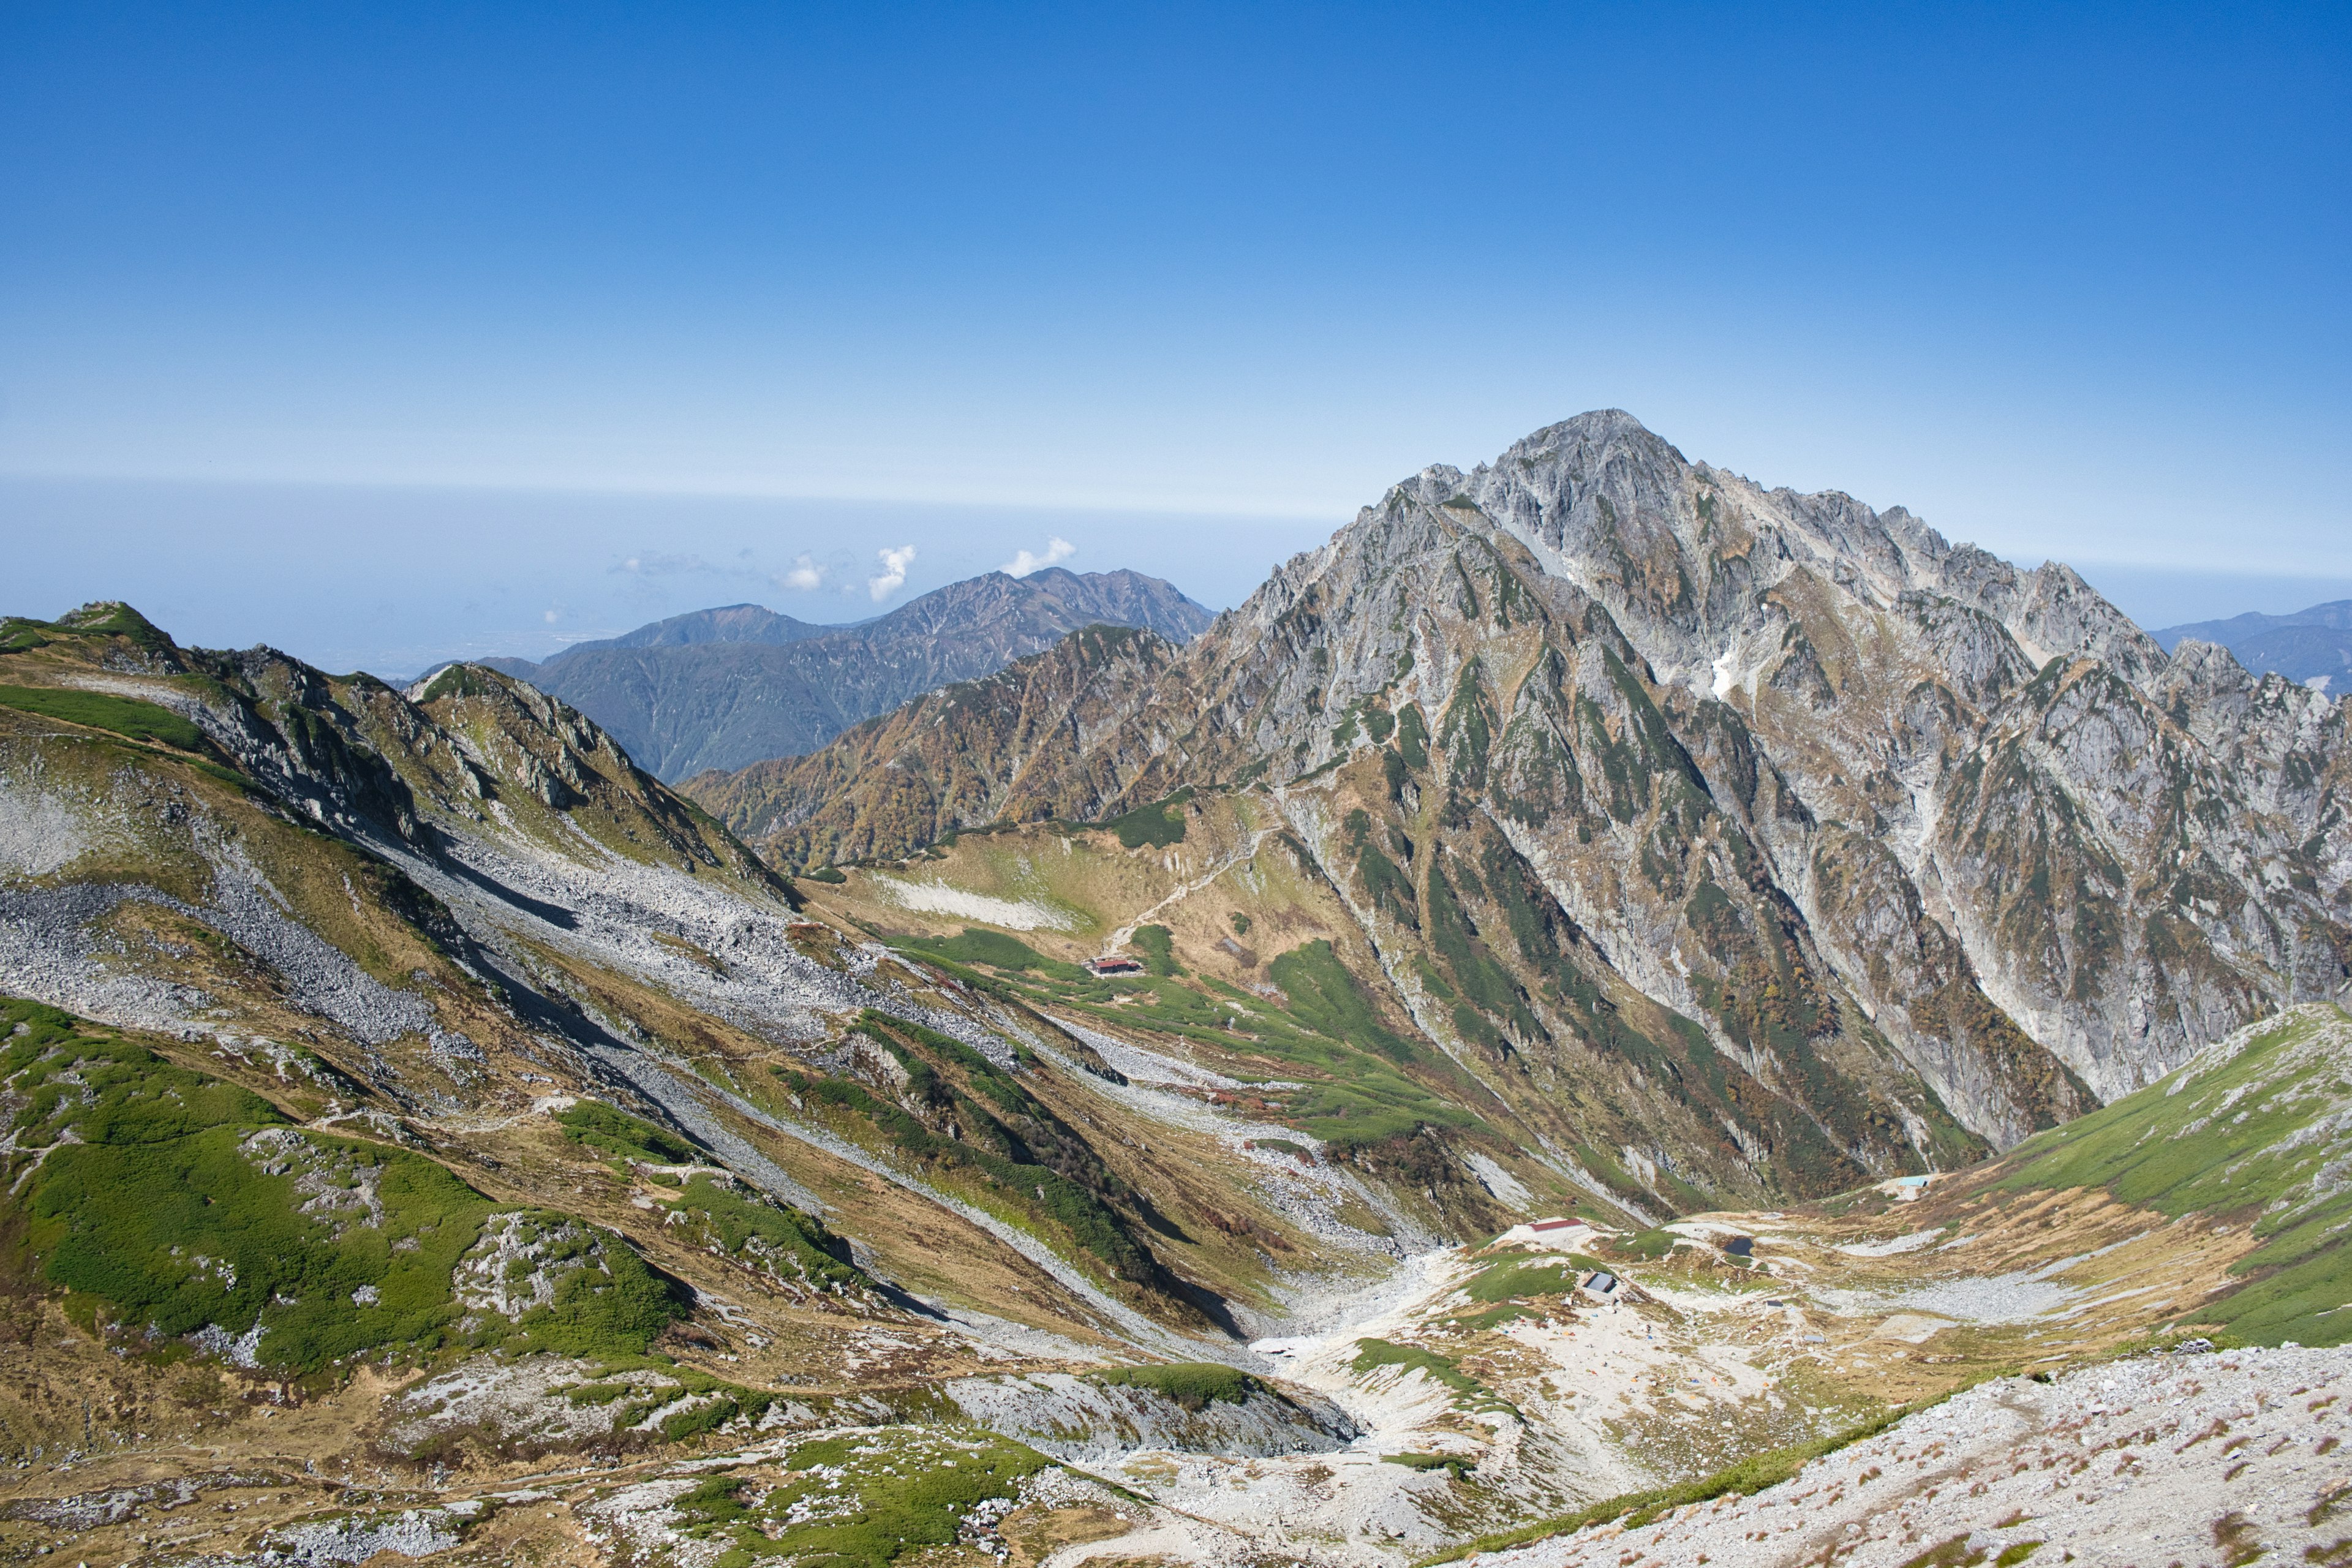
(893, 576)
(1057, 549)
(665, 565)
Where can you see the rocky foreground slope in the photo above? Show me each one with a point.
(1806, 776)
(2183, 1459)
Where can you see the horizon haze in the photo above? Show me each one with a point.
(451, 314)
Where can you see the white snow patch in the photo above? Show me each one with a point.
(1911, 1243)
(940, 898)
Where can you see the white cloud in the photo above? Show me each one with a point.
(665, 565)
(1057, 549)
(805, 573)
(893, 576)
(552, 617)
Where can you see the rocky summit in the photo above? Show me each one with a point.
(1607, 1013)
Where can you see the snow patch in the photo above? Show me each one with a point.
(1911, 1243)
(940, 898)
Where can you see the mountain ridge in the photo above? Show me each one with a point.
(2002, 807)
(2313, 646)
(723, 623)
(729, 687)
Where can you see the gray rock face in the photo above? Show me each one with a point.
(2134, 857)
(723, 689)
(1773, 757)
(1087, 1421)
(961, 755)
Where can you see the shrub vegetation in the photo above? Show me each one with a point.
(171, 1203)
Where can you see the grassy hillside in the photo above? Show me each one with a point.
(175, 1212)
(172, 1206)
(2257, 1129)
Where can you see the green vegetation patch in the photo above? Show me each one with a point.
(1157, 944)
(598, 1392)
(2251, 1137)
(1194, 1385)
(1368, 1093)
(106, 618)
(993, 948)
(1373, 1355)
(615, 1131)
(1367, 1101)
(1159, 824)
(970, 1116)
(1363, 1091)
(863, 1501)
(1650, 1244)
(1509, 1281)
(755, 1230)
(1412, 737)
(125, 716)
(1328, 999)
(19, 635)
(169, 1205)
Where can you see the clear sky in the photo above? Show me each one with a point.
(386, 331)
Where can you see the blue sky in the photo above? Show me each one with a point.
(379, 332)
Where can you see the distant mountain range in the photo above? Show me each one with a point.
(726, 687)
(2313, 646)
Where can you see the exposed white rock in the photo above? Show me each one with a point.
(2188, 1458)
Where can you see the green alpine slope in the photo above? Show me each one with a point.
(2259, 1125)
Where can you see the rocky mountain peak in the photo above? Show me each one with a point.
(1686, 556)
(1971, 796)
